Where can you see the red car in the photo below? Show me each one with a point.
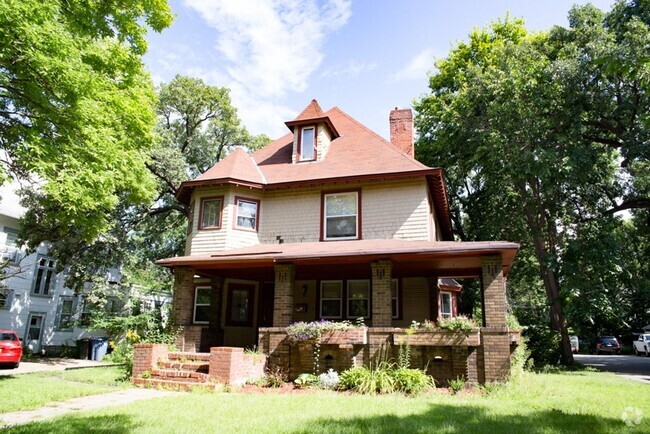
(11, 349)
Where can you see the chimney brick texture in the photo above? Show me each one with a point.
(401, 130)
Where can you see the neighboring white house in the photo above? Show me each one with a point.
(33, 298)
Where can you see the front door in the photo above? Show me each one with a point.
(34, 331)
(265, 309)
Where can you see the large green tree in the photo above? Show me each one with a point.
(77, 105)
(544, 137)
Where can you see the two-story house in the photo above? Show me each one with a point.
(34, 300)
(332, 222)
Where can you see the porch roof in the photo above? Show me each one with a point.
(446, 257)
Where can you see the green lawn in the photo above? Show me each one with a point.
(538, 403)
(29, 391)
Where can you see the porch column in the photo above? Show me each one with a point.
(183, 296)
(283, 300)
(494, 334)
(382, 275)
(215, 333)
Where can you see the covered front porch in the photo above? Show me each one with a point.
(247, 297)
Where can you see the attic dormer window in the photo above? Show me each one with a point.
(307, 145)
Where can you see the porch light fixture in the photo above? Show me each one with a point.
(438, 359)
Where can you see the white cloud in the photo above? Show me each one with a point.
(417, 67)
(270, 47)
(348, 70)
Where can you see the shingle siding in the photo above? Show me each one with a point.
(389, 209)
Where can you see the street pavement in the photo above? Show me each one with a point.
(49, 364)
(634, 367)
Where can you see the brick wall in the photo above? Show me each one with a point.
(283, 302)
(229, 365)
(146, 356)
(401, 130)
(381, 293)
(183, 299)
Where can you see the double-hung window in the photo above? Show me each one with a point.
(66, 312)
(341, 216)
(6, 296)
(331, 299)
(246, 213)
(202, 297)
(210, 213)
(446, 308)
(307, 144)
(11, 236)
(358, 298)
(45, 276)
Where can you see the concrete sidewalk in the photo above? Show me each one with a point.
(50, 364)
(81, 404)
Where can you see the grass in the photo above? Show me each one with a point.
(29, 391)
(586, 402)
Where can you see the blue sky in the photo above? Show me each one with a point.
(364, 56)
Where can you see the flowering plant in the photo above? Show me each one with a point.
(312, 331)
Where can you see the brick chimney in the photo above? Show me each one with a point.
(401, 130)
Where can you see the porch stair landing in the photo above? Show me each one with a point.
(180, 371)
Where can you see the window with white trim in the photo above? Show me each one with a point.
(44, 277)
(202, 297)
(246, 214)
(394, 298)
(446, 308)
(358, 298)
(11, 234)
(341, 216)
(211, 213)
(65, 313)
(331, 298)
(307, 144)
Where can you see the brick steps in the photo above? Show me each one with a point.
(173, 374)
(168, 383)
(186, 366)
(187, 356)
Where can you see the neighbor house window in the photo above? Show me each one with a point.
(331, 296)
(11, 236)
(307, 144)
(210, 213)
(394, 298)
(446, 310)
(65, 313)
(341, 216)
(114, 306)
(202, 297)
(87, 310)
(45, 278)
(358, 298)
(240, 304)
(247, 210)
(6, 295)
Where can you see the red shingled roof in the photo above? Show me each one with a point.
(355, 154)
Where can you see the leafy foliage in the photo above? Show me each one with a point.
(542, 137)
(329, 379)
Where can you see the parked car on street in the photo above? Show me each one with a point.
(642, 344)
(11, 349)
(606, 344)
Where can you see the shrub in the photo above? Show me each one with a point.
(306, 380)
(457, 385)
(370, 380)
(412, 381)
(349, 379)
(329, 379)
(274, 378)
(460, 323)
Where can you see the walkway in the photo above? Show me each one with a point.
(81, 404)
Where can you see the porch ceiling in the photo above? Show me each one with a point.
(439, 258)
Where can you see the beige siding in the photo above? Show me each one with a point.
(415, 301)
(390, 209)
(396, 210)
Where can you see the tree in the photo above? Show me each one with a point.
(77, 105)
(529, 128)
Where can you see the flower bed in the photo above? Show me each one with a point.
(433, 338)
(327, 332)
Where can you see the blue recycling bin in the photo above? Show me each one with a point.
(98, 346)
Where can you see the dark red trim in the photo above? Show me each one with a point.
(322, 213)
(257, 214)
(323, 119)
(203, 199)
(250, 288)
